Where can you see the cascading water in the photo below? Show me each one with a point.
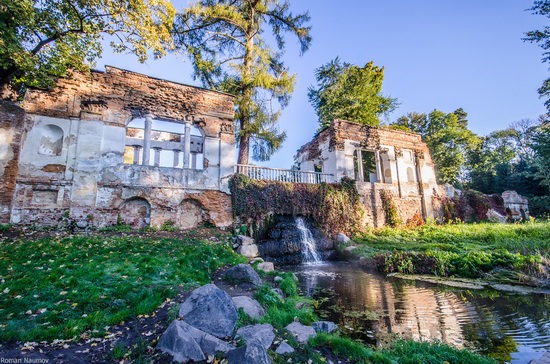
(309, 250)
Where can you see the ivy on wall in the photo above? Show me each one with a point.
(390, 208)
(335, 207)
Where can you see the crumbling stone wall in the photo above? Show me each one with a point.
(68, 153)
(12, 120)
(403, 162)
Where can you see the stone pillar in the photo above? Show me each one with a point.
(147, 139)
(157, 156)
(194, 160)
(187, 145)
(378, 163)
(176, 157)
(136, 153)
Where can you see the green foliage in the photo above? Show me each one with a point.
(169, 225)
(390, 208)
(447, 136)
(229, 51)
(59, 288)
(542, 37)
(400, 351)
(5, 227)
(43, 39)
(349, 92)
(335, 207)
(473, 251)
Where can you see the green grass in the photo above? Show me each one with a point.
(60, 288)
(400, 351)
(464, 250)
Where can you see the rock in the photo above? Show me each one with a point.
(302, 333)
(264, 333)
(252, 353)
(235, 246)
(256, 260)
(82, 224)
(249, 251)
(278, 279)
(279, 293)
(342, 238)
(250, 306)
(284, 348)
(324, 326)
(266, 266)
(211, 310)
(209, 344)
(245, 240)
(178, 342)
(184, 342)
(494, 216)
(243, 273)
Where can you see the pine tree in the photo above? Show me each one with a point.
(226, 43)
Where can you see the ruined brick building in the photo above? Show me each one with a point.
(378, 159)
(117, 146)
(114, 147)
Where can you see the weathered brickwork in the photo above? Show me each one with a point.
(401, 164)
(68, 154)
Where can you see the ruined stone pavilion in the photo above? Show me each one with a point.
(378, 159)
(117, 146)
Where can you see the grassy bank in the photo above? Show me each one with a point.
(512, 253)
(59, 288)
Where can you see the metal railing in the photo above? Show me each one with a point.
(283, 175)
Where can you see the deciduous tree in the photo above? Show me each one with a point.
(230, 51)
(447, 136)
(349, 92)
(43, 38)
(542, 37)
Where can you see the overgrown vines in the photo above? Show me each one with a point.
(390, 208)
(335, 207)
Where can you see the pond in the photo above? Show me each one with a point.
(377, 309)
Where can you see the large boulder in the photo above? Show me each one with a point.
(302, 333)
(185, 342)
(211, 310)
(178, 342)
(264, 333)
(243, 274)
(324, 326)
(252, 353)
(250, 306)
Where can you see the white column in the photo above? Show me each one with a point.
(187, 145)
(361, 176)
(157, 156)
(378, 163)
(194, 160)
(136, 153)
(147, 139)
(176, 158)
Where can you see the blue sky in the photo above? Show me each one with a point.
(437, 54)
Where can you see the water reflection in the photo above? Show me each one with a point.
(373, 308)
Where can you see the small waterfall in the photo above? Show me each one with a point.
(309, 250)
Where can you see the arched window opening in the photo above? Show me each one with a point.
(51, 141)
(163, 143)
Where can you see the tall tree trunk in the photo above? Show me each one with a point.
(245, 104)
(244, 146)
